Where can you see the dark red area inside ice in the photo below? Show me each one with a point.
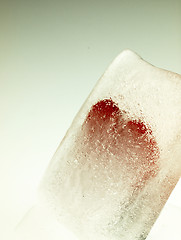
(108, 129)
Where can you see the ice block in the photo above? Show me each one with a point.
(121, 158)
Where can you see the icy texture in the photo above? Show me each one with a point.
(120, 159)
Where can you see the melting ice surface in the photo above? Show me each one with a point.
(121, 158)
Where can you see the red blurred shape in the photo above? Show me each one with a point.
(109, 129)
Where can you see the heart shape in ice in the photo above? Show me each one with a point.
(109, 132)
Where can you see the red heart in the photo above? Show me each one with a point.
(109, 132)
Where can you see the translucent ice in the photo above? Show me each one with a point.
(121, 158)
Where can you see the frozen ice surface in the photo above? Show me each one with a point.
(121, 158)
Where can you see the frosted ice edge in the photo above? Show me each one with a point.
(143, 93)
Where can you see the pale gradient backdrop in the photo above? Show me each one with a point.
(51, 55)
